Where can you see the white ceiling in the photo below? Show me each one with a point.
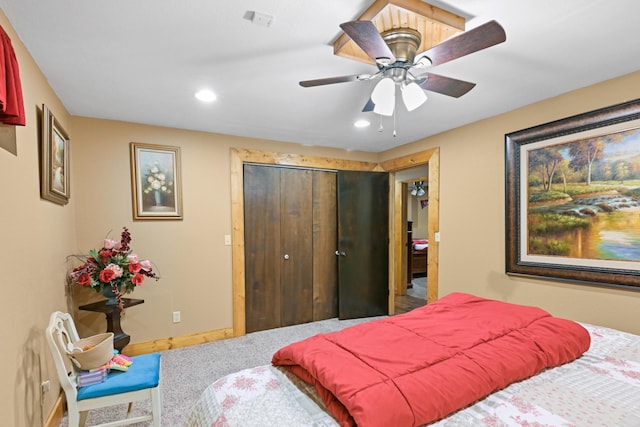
(141, 61)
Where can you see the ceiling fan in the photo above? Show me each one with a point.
(394, 53)
(417, 189)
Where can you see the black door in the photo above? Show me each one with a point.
(363, 244)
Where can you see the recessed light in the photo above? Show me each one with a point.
(206, 95)
(362, 123)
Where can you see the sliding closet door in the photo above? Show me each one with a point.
(262, 241)
(290, 242)
(296, 260)
(363, 233)
(325, 243)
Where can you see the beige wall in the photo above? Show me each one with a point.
(194, 263)
(472, 212)
(36, 237)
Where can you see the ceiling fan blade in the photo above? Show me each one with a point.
(367, 36)
(479, 38)
(369, 106)
(332, 80)
(446, 85)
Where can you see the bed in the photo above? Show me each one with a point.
(419, 254)
(417, 258)
(596, 387)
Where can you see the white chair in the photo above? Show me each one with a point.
(140, 382)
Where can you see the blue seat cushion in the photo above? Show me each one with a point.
(143, 373)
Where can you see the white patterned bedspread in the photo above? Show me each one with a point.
(600, 389)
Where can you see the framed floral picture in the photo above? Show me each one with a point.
(155, 181)
(54, 160)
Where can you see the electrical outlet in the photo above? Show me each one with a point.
(176, 317)
(46, 386)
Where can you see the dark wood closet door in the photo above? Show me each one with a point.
(325, 243)
(296, 257)
(262, 240)
(363, 233)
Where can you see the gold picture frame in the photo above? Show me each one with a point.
(155, 182)
(54, 160)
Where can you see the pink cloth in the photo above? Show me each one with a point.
(11, 103)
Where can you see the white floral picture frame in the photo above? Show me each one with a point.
(155, 181)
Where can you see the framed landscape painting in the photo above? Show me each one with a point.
(155, 181)
(573, 198)
(54, 160)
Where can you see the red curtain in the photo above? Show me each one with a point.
(11, 103)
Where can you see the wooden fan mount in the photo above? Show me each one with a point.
(433, 25)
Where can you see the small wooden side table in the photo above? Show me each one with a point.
(112, 313)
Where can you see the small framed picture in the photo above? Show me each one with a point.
(54, 160)
(155, 181)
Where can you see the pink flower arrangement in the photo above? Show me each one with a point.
(115, 266)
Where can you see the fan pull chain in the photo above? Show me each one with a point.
(380, 128)
(394, 122)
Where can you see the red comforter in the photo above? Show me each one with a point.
(418, 367)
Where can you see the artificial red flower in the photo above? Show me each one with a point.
(137, 279)
(84, 280)
(105, 254)
(107, 275)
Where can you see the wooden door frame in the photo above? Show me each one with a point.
(241, 156)
(431, 158)
(401, 284)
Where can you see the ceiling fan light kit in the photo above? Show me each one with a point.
(384, 97)
(413, 96)
(418, 189)
(386, 35)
